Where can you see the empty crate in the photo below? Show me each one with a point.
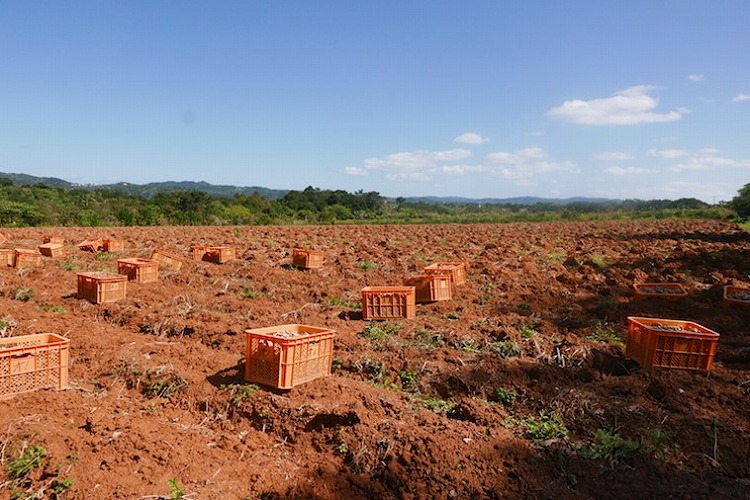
(659, 290)
(52, 249)
(456, 270)
(32, 362)
(7, 257)
(431, 287)
(287, 355)
(91, 245)
(166, 259)
(139, 270)
(217, 255)
(388, 302)
(307, 259)
(102, 287)
(26, 258)
(112, 245)
(668, 343)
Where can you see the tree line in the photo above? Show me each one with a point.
(41, 205)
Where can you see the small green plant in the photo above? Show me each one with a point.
(554, 257)
(505, 348)
(31, 458)
(438, 405)
(547, 426)
(611, 446)
(527, 331)
(607, 304)
(467, 344)
(239, 393)
(379, 333)
(68, 266)
(47, 307)
(22, 293)
(504, 396)
(366, 264)
(606, 332)
(420, 255)
(102, 256)
(409, 380)
(63, 485)
(453, 316)
(249, 293)
(342, 302)
(175, 490)
(429, 340)
(600, 261)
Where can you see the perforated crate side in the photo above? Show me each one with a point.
(388, 302)
(26, 258)
(431, 287)
(53, 250)
(220, 255)
(167, 259)
(32, 362)
(103, 288)
(7, 257)
(686, 350)
(139, 270)
(285, 363)
(307, 259)
(113, 245)
(457, 270)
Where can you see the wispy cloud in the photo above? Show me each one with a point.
(613, 156)
(741, 98)
(629, 171)
(668, 154)
(518, 166)
(696, 77)
(628, 107)
(470, 138)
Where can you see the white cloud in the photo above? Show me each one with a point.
(628, 107)
(522, 165)
(355, 171)
(629, 171)
(696, 77)
(422, 165)
(668, 154)
(470, 138)
(741, 98)
(613, 156)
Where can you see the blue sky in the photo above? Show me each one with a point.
(638, 99)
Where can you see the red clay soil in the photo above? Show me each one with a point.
(516, 388)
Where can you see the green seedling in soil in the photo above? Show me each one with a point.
(429, 340)
(527, 331)
(47, 307)
(175, 490)
(379, 333)
(504, 396)
(453, 316)
(249, 293)
(240, 393)
(605, 332)
(467, 344)
(408, 380)
(23, 294)
(102, 256)
(68, 266)
(547, 426)
(438, 405)
(30, 458)
(342, 302)
(611, 447)
(600, 261)
(505, 348)
(366, 264)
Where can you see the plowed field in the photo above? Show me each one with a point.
(518, 387)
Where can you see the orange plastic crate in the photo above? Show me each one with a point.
(32, 362)
(736, 295)
(388, 302)
(52, 249)
(457, 271)
(139, 270)
(7, 257)
(431, 287)
(53, 239)
(307, 259)
(102, 287)
(167, 259)
(27, 258)
(112, 245)
(288, 355)
(220, 255)
(669, 343)
(91, 245)
(671, 291)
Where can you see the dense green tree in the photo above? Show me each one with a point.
(741, 202)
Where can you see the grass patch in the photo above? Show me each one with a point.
(546, 426)
(505, 348)
(606, 332)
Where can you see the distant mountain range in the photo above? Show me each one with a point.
(153, 188)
